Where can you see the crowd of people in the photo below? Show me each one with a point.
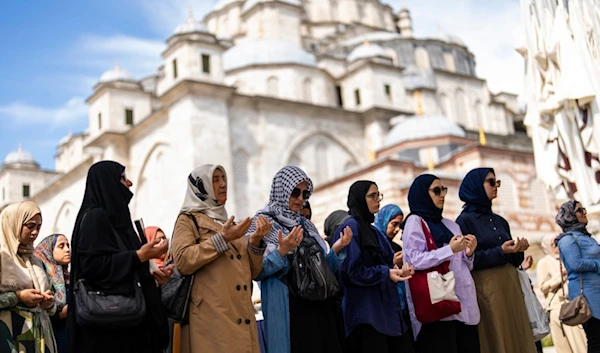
(447, 286)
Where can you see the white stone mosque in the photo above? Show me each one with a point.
(345, 89)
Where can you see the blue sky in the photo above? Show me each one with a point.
(53, 52)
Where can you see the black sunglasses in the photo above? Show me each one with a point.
(493, 182)
(439, 190)
(296, 193)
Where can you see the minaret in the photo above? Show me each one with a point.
(405, 23)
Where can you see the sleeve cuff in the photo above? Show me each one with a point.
(260, 250)
(220, 243)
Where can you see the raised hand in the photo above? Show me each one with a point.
(398, 258)
(510, 247)
(458, 243)
(523, 245)
(343, 241)
(163, 274)
(526, 264)
(263, 227)
(397, 275)
(30, 297)
(471, 244)
(291, 241)
(232, 232)
(153, 249)
(48, 300)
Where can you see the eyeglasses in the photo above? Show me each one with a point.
(581, 210)
(493, 182)
(439, 191)
(376, 196)
(33, 225)
(296, 193)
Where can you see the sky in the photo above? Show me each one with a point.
(53, 53)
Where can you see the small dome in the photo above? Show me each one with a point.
(251, 3)
(20, 156)
(265, 52)
(366, 51)
(190, 26)
(221, 4)
(421, 127)
(116, 74)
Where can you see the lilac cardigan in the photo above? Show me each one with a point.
(416, 254)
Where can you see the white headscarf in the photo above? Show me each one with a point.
(547, 245)
(200, 195)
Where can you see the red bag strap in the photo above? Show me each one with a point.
(428, 237)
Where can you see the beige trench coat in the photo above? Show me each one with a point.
(221, 314)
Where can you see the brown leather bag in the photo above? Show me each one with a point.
(576, 312)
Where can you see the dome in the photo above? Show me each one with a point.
(190, 26)
(221, 4)
(265, 52)
(20, 156)
(251, 3)
(366, 51)
(116, 74)
(422, 127)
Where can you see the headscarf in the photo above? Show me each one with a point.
(567, 219)
(58, 274)
(472, 191)
(385, 216)
(200, 195)
(547, 241)
(307, 207)
(358, 208)
(332, 223)
(421, 204)
(150, 233)
(18, 268)
(278, 209)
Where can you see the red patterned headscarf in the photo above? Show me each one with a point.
(58, 274)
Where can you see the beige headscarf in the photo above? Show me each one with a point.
(547, 245)
(19, 269)
(200, 195)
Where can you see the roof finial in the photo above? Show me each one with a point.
(117, 67)
(191, 14)
(366, 42)
(482, 138)
(20, 147)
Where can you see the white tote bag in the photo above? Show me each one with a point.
(441, 287)
(538, 317)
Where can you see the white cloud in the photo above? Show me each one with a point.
(69, 113)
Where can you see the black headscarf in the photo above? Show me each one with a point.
(566, 218)
(332, 223)
(357, 203)
(472, 191)
(421, 204)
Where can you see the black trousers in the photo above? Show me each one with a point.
(448, 337)
(365, 339)
(592, 331)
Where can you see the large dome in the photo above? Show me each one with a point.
(190, 26)
(366, 51)
(251, 3)
(116, 74)
(221, 4)
(422, 127)
(265, 52)
(20, 156)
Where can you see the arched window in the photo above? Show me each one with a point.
(240, 170)
(422, 58)
(272, 86)
(461, 106)
(447, 107)
(449, 61)
(478, 114)
(360, 8)
(334, 10)
(321, 165)
(307, 90)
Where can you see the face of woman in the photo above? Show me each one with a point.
(62, 251)
(394, 226)
(125, 181)
(435, 187)
(220, 186)
(581, 213)
(554, 247)
(160, 235)
(491, 185)
(30, 230)
(373, 198)
(298, 197)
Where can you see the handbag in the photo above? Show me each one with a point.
(175, 294)
(96, 309)
(577, 311)
(539, 319)
(432, 290)
(309, 276)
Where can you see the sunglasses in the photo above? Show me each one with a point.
(376, 196)
(581, 210)
(439, 191)
(493, 182)
(296, 193)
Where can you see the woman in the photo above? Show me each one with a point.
(388, 221)
(25, 296)
(552, 280)
(504, 326)
(332, 223)
(371, 304)
(152, 233)
(293, 324)
(580, 253)
(207, 244)
(55, 253)
(98, 258)
(456, 333)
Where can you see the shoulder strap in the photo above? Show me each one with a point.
(580, 275)
(191, 216)
(428, 237)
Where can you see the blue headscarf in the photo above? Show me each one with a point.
(472, 192)
(422, 205)
(385, 215)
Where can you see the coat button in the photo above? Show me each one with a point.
(238, 287)
(239, 321)
(248, 322)
(239, 257)
(231, 256)
(245, 287)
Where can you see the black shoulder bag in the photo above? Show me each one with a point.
(96, 309)
(309, 276)
(175, 294)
